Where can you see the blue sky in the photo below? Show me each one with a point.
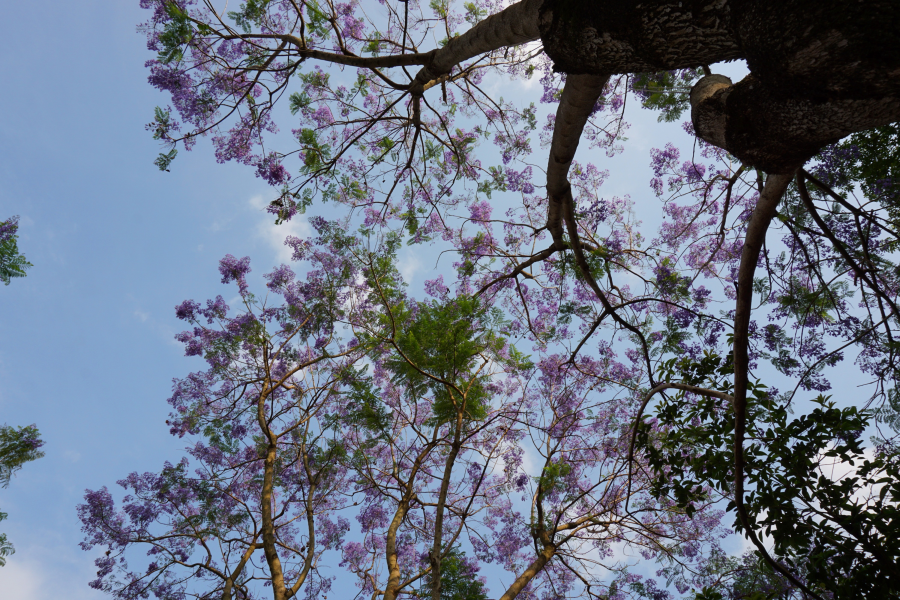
(86, 340)
(86, 348)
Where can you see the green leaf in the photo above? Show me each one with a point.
(165, 159)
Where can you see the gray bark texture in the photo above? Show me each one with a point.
(819, 69)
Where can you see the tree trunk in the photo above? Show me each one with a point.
(437, 548)
(276, 573)
(820, 69)
(392, 589)
(530, 573)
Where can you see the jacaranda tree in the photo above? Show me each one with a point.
(426, 452)
(777, 252)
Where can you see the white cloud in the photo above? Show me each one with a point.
(143, 316)
(409, 264)
(837, 469)
(274, 235)
(219, 225)
(30, 574)
(22, 579)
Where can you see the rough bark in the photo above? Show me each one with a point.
(820, 69)
(624, 36)
(764, 129)
(579, 97)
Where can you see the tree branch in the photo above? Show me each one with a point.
(766, 209)
(515, 25)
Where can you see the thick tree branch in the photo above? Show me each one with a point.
(530, 573)
(579, 97)
(776, 133)
(765, 211)
(513, 26)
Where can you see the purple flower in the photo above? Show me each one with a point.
(8, 228)
(215, 309)
(271, 169)
(436, 287)
(480, 211)
(280, 277)
(186, 311)
(233, 269)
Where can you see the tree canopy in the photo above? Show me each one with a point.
(638, 364)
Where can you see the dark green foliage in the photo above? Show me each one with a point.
(211, 519)
(218, 434)
(867, 158)
(552, 476)
(165, 159)
(755, 579)
(567, 309)
(317, 79)
(18, 445)
(298, 101)
(783, 358)
(458, 579)
(317, 20)
(177, 32)
(315, 154)
(252, 13)
(162, 122)
(672, 338)
(665, 91)
(804, 301)
(879, 155)
(474, 13)
(299, 200)
(890, 413)
(747, 577)
(365, 408)
(870, 160)
(440, 348)
(847, 545)
(495, 183)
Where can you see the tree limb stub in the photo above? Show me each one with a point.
(777, 134)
